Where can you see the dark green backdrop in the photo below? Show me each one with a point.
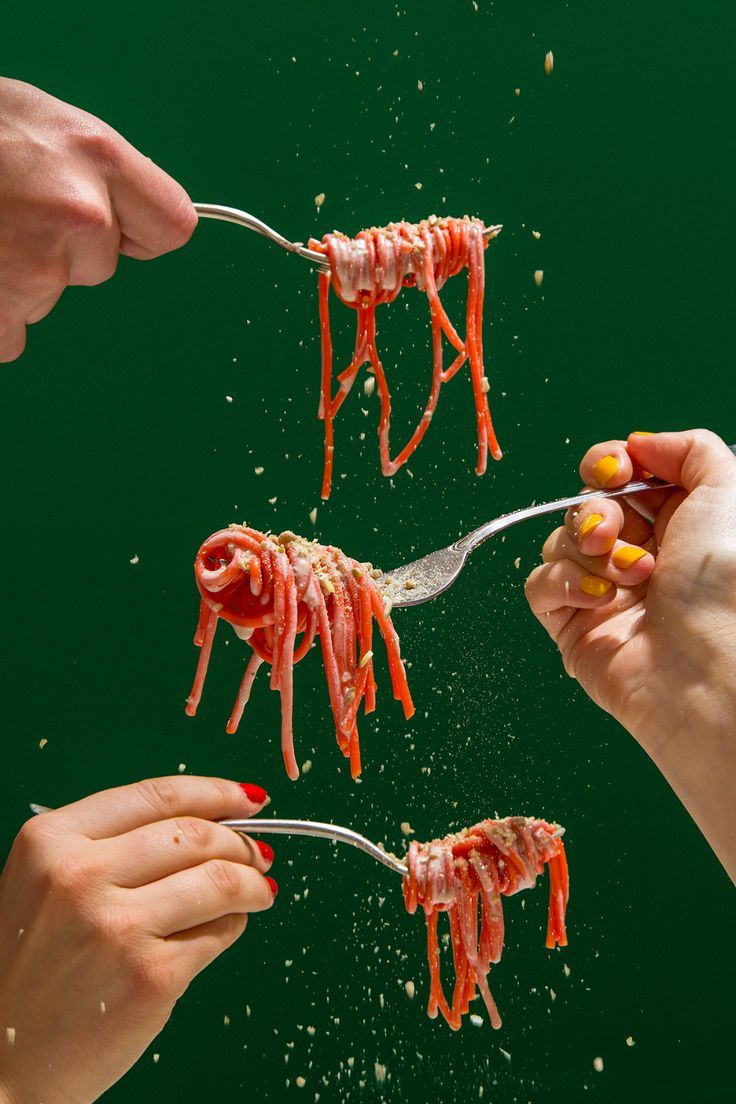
(118, 441)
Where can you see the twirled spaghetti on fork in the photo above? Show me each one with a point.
(371, 269)
(479, 865)
(271, 589)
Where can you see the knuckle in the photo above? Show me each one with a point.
(182, 222)
(72, 876)
(31, 845)
(198, 833)
(151, 977)
(161, 794)
(84, 216)
(225, 878)
(101, 143)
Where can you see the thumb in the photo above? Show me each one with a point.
(689, 459)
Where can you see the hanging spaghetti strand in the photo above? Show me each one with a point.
(476, 866)
(371, 269)
(272, 589)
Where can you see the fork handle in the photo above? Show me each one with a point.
(472, 540)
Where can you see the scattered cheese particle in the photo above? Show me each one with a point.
(420, 86)
(477, 1021)
(319, 200)
(301, 1082)
(273, 501)
(156, 1058)
(506, 1054)
(406, 828)
(517, 91)
(536, 234)
(380, 1072)
(553, 995)
(10, 1035)
(549, 62)
(103, 1007)
(311, 1030)
(135, 559)
(517, 564)
(538, 277)
(598, 1064)
(313, 516)
(485, 385)
(630, 1040)
(419, 187)
(566, 970)
(228, 398)
(369, 385)
(258, 471)
(42, 743)
(182, 767)
(306, 766)
(226, 1020)
(410, 990)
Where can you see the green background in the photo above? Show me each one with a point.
(118, 441)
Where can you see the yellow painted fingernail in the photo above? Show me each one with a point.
(595, 586)
(591, 522)
(627, 555)
(605, 469)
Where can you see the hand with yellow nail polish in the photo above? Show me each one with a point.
(640, 597)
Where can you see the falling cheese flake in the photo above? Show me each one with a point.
(406, 828)
(420, 86)
(517, 562)
(630, 1040)
(301, 1082)
(477, 1021)
(313, 516)
(319, 200)
(135, 559)
(42, 743)
(380, 1073)
(228, 398)
(369, 385)
(103, 1008)
(538, 276)
(549, 62)
(598, 1065)
(536, 234)
(258, 471)
(10, 1035)
(226, 1020)
(156, 1058)
(410, 990)
(181, 768)
(419, 187)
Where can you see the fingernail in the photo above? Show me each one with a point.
(641, 433)
(627, 555)
(272, 885)
(595, 586)
(265, 850)
(605, 469)
(254, 793)
(591, 522)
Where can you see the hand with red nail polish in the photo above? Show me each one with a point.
(108, 908)
(640, 597)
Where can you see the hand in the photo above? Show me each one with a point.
(645, 614)
(108, 908)
(73, 196)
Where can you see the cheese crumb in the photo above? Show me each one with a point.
(538, 276)
(369, 385)
(258, 471)
(10, 1035)
(419, 187)
(630, 1040)
(406, 828)
(536, 234)
(598, 1065)
(135, 559)
(156, 1058)
(410, 990)
(42, 743)
(313, 516)
(182, 767)
(549, 62)
(228, 398)
(319, 200)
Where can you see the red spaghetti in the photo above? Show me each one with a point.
(371, 269)
(493, 858)
(271, 589)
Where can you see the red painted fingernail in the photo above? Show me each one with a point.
(272, 885)
(254, 793)
(265, 850)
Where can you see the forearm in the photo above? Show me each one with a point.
(695, 748)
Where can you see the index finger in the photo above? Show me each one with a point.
(125, 808)
(154, 212)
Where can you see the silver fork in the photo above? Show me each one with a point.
(313, 828)
(426, 578)
(250, 222)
